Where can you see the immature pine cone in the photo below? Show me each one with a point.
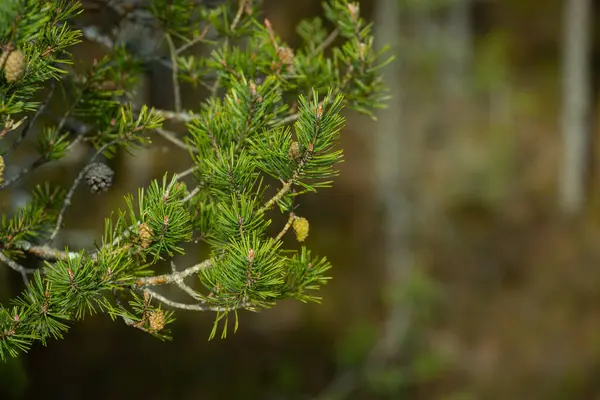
(145, 233)
(14, 65)
(99, 177)
(301, 227)
(156, 320)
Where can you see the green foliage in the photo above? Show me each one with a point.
(266, 134)
(39, 30)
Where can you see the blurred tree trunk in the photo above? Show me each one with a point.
(394, 165)
(458, 48)
(576, 104)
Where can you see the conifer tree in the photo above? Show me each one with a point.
(264, 136)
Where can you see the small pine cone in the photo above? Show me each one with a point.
(301, 227)
(1, 170)
(14, 65)
(145, 233)
(286, 55)
(99, 177)
(156, 320)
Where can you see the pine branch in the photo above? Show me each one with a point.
(195, 307)
(170, 278)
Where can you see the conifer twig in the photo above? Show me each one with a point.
(76, 182)
(182, 116)
(181, 175)
(191, 194)
(174, 73)
(171, 137)
(32, 121)
(17, 267)
(179, 282)
(193, 307)
(170, 278)
(194, 41)
(45, 252)
(286, 227)
(327, 42)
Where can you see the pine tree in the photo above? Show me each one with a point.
(264, 136)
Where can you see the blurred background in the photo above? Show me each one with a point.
(464, 231)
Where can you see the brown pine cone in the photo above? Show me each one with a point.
(99, 177)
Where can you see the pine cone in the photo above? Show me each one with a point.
(301, 228)
(145, 233)
(14, 65)
(157, 320)
(99, 177)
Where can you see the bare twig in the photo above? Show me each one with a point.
(191, 194)
(33, 120)
(174, 72)
(37, 163)
(282, 192)
(170, 278)
(189, 171)
(288, 119)
(194, 41)
(286, 227)
(76, 182)
(45, 252)
(171, 137)
(327, 42)
(193, 307)
(179, 282)
(182, 116)
(17, 267)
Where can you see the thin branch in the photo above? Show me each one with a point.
(182, 116)
(191, 194)
(194, 41)
(179, 282)
(170, 278)
(46, 252)
(286, 227)
(282, 192)
(288, 119)
(193, 307)
(327, 42)
(33, 120)
(189, 171)
(174, 73)
(17, 267)
(171, 137)
(36, 164)
(76, 182)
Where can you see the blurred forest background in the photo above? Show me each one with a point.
(464, 231)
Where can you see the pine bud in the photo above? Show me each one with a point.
(156, 320)
(301, 227)
(145, 234)
(1, 170)
(294, 152)
(353, 8)
(14, 65)
(99, 177)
